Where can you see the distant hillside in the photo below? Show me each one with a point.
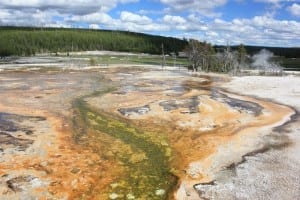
(29, 41)
(292, 52)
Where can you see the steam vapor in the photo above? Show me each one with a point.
(262, 61)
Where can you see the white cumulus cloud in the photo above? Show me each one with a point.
(134, 18)
(94, 26)
(204, 7)
(94, 18)
(63, 6)
(174, 19)
(295, 9)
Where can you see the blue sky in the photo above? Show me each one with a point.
(252, 22)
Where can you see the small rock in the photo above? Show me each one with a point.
(44, 163)
(136, 158)
(74, 183)
(109, 154)
(75, 170)
(29, 132)
(113, 196)
(21, 183)
(36, 183)
(91, 162)
(160, 192)
(168, 152)
(114, 185)
(55, 183)
(130, 196)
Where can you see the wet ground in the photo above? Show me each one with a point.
(123, 133)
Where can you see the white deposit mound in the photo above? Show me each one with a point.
(273, 174)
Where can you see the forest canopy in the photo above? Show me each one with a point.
(29, 41)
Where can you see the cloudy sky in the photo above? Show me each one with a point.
(253, 22)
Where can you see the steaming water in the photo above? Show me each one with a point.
(262, 61)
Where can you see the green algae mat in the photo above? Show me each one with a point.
(144, 156)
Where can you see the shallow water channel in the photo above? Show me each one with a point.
(146, 172)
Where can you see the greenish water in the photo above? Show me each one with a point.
(147, 174)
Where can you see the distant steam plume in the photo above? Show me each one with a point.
(262, 61)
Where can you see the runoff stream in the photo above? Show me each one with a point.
(154, 124)
(144, 159)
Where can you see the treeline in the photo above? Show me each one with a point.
(30, 41)
(204, 56)
(286, 52)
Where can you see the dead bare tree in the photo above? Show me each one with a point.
(229, 61)
(163, 61)
(192, 52)
(204, 58)
(199, 54)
